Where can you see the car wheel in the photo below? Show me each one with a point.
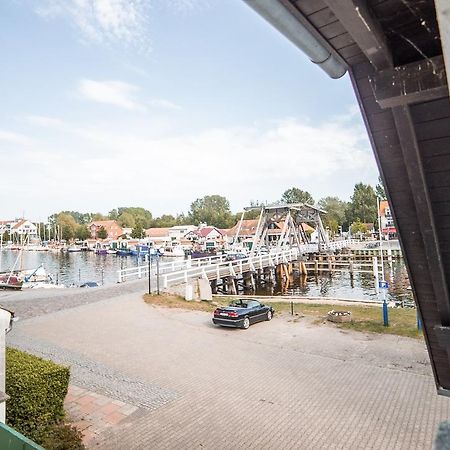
(269, 315)
(246, 323)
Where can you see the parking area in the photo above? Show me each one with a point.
(285, 384)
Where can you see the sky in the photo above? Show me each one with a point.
(154, 103)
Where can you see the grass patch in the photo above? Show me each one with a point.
(402, 322)
(176, 301)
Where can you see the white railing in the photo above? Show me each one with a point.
(229, 268)
(185, 265)
(141, 271)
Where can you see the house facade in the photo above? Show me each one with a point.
(386, 219)
(20, 227)
(205, 237)
(113, 229)
(159, 237)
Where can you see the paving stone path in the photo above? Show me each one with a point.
(279, 385)
(37, 302)
(95, 376)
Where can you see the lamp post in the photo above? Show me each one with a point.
(149, 271)
(157, 274)
(383, 281)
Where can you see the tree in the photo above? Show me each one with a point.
(213, 210)
(358, 227)
(66, 224)
(363, 205)
(165, 221)
(127, 220)
(335, 212)
(138, 231)
(296, 195)
(82, 233)
(102, 233)
(379, 189)
(113, 214)
(98, 216)
(138, 213)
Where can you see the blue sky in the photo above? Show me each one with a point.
(110, 103)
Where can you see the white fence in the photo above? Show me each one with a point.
(193, 268)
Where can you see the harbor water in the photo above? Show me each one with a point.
(70, 268)
(342, 285)
(73, 269)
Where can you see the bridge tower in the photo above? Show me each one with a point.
(292, 216)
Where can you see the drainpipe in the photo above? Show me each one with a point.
(287, 24)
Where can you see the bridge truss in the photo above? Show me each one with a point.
(292, 216)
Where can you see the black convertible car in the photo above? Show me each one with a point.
(242, 313)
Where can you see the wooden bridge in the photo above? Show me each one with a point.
(218, 267)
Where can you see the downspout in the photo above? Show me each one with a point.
(287, 24)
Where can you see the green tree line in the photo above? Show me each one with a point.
(215, 210)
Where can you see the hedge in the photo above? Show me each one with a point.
(37, 389)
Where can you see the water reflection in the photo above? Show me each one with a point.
(343, 285)
(70, 268)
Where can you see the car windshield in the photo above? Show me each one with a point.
(252, 304)
(245, 303)
(239, 303)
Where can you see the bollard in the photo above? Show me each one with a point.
(292, 308)
(385, 314)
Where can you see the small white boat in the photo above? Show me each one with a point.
(73, 249)
(176, 252)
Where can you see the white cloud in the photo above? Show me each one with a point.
(14, 138)
(102, 21)
(45, 121)
(164, 104)
(117, 93)
(165, 174)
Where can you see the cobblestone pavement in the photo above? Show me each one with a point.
(279, 385)
(96, 376)
(36, 302)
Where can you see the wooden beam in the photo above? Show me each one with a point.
(443, 18)
(425, 218)
(420, 81)
(365, 30)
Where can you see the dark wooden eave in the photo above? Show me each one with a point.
(394, 55)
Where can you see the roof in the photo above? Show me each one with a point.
(104, 223)
(397, 68)
(205, 231)
(19, 224)
(157, 232)
(248, 227)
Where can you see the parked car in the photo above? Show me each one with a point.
(89, 284)
(242, 313)
(233, 256)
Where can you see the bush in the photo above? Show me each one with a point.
(63, 437)
(37, 389)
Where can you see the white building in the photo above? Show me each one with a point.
(20, 227)
(178, 232)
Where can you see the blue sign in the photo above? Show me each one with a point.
(383, 285)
